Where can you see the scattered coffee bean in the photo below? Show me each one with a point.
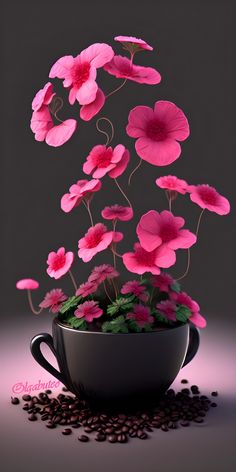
(32, 417)
(66, 431)
(15, 401)
(214, 394)
(164, 427)
(184, 381)
(122, 438)
(198, 419)
(83, 438)
(26, 398)
(48, 391)
(100, 437)
(112, 438)
(65, 389)
(214, 404)
(142, 435)
(184, 423)
(50, 425)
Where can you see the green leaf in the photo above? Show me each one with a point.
(147, 328)
(117, 325)
(120, 304)
(134, 327)
(77, 323)
(175, 287)
(160, 317)
(70, 303)
(183, 313)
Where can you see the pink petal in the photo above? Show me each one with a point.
(158, 153)
(165, 257)
(87, 92)
(97, 54)
(62, 68)
(198, 320)
(184, 240)
(41, 123)
(68, 202)
(27, 284)
(121, 166)
(138, 120)
(174, 119)
(148, 229)
(60, 134)
(87, 112)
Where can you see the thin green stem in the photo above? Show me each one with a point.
(87, 206)
(73, 280)
(106, 292)
(199, 221)
(116, 89)
(109, 138)
(36, 312)
(123, 193)
(134, 170)
(187, 268)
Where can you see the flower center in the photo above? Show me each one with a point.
(208, 195)
(156, 130)
(80, 73)
(94, 238)
(146, 258)
(168, 232)
(58, 262)
(103, 159)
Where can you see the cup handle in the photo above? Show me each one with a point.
(193, 345)
(38, 356)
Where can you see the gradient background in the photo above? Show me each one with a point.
(194, 51)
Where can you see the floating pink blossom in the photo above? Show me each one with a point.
(97, 239)
(43, 97)
(156, 229)
(102, 272)
(88, 310)
(137, 289)
(208, 198)
(86, 289)
(122, 67)
(168, 309)
(158, 132)
(117, 236)
(184, 299)
(43, 127)
(79, 73)
(137, 42)
(172, 183)
(82, 190)
(27, 284)
(53, 300)
(104, 160)
(163, 282)
(87, 112)
(59, 263)
(141, 315)
(117, 212)
(141, 261)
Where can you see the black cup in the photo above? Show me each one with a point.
(107, 367)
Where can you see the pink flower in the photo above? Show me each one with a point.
(158, 132)
(208, 197)
(172, 183)
(184, 299)
(163, 282)
(59, 263)
(43, 97)
(86, 289)
(27, 284)
(156, 229)
(42, 126)
(88, 310)
(168, 309)
(97, 239)
(134, 287)
(53, 300)
(87, 112)
(79, 73)
(141, 261)
(82, 190)
(141, 315)
(103, 160)
(138, 43)
(117, 236)
(101, 273)
(117, 212)
(122, 67)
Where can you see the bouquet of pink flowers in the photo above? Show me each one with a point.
(152, 299)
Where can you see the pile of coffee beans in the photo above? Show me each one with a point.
(173, 410)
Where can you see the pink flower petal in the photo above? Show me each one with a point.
(97, 54)
(62, 67)
(60, 134)
(160, 153)
(43, 96)
(139, 117)
(27, 284)
(121, 166)
(87, 112)
(87, 92)
(175, 120)
(198, 320)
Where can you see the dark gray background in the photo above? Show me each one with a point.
(194, 50)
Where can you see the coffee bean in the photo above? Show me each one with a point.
(186, 391)
(184, 423)
(25, 407)
(15, 401)
(26, 398)
(164, 427)
(184, 381)
(214, 404)
(132, 433)
(109, 430)
(50, 425)
(112, 438)
(66, 431)
(198, 419)
(100, 437)
(44, 417)
(65, 389)
(122, 438)
(48, 391)
(75, 426)
(83, 438)
(214, 394)
(87, 429)
(32, 417)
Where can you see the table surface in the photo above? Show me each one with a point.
(208, 447)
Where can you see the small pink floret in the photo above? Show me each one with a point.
(117, 212)
(208, 198)
(89, 311)
(27, 284)
(59, 263)
(141, 315)
(172, 183)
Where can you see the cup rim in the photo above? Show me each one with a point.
(56, 321)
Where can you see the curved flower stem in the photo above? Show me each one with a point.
(114, 287)
(36, 312)
(73, 280)
(116, 89)
(54, 109)
(106, 292)
(170, 204)
(199, 221)
(109, 138)
(134, 170)
(123, 193)
(187, 268)
(116, 253)
(87, 206)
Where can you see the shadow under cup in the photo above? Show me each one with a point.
(110, 368)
